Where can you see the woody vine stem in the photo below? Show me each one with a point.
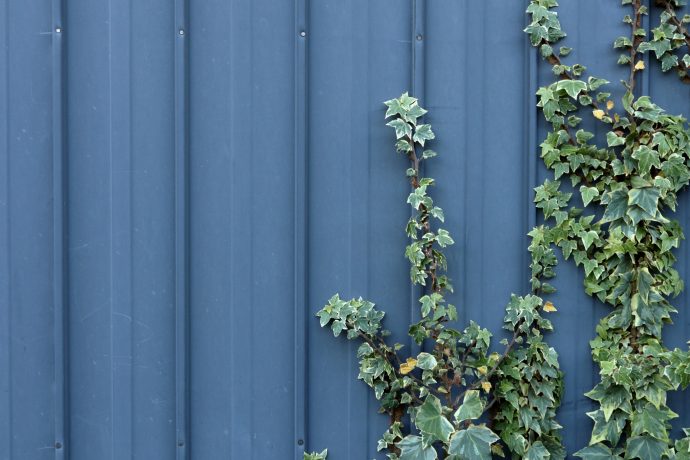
(458, 400)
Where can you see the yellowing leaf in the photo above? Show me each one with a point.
(549, 307)
(494, 356)
(639, 65)
(598, 114)
(497, 449)
(482, 370)
(486, 386)
(408, 366)
(609, 105)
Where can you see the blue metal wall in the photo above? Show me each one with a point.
(183, 184)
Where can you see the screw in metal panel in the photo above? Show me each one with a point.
(300, 442)
(58, 30)
(419, 37)
(58, 445)
(303, 34)
(181, 32)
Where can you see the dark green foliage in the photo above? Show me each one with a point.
(450, 389)
(624, 240)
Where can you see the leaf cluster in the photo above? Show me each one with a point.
(462, 400)
(623, 234)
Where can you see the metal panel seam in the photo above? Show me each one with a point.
(121, 315)
(59, 234)
(418, 63)
(181, 233)
(300, 229)
(5, 235)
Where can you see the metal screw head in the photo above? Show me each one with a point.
(181, 32)
(303, 34)
(300, 442)
(58, 30)
(58, 445)
(419, 37)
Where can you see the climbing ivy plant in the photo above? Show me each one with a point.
(464, 402)
(628, 183)
(457, 399)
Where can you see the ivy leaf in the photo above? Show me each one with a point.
(402, 128)
(646, 198)
(645, 448)
(612, 139)
(423, 134)
(426, 361)
(472, 407)
(606, 430)
(443, 238)
(651, 421)
(588, 238)
(537, 451)
(437, 213)
(646, 158)
(473, 443)
(572, 87)
(316, 455)
(658, 46)
(644, 283)
(430, 419)
(588, 193)
(597, 452)
(413, 448)
(627, 101)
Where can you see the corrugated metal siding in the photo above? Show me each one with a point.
(183, 184)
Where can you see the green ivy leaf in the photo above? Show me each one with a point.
(647, 198)
(473, 443)
(588, 194)
(402, 128)
(597, 452)
(430, 419)
(612, 139)
(426, 361)
(645, 448)
(422, 134)
(646, 158)
(443, 238)
(413, 448)
(651, 421)
(537, 451)
(606, 430)
(316, 456)
(472, 407)
(572, 87)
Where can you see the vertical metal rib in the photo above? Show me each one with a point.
(300, 243)
(417, 81)
(5, 240)
(59, 234)
(181, 233)
(121, 315)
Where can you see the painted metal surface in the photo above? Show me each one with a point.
(183, 184)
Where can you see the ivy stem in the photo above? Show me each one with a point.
(636, 40)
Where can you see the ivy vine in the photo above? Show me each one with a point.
(454, 388)
(457, 399)
(625, 241)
